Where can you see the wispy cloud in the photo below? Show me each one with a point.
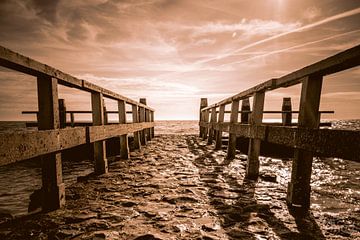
(289, 49)
(300, 29)
(246, 27)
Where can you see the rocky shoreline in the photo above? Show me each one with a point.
(178, 187)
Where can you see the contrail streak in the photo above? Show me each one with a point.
(291, 48)
(315, 24)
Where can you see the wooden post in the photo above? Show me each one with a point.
(147, 119)
(245, 110)
(53, 188)
(124, 143)
(252, 167)
(152, 131)
(298, 195)
(105, 113)
(62, 113)
(211, 129)
(135, 117)
(142, 119)
(98, 147)
(232, 137)
(206, 120)
(286, 116)
(72, 119)
(218, 139)
(203, 104)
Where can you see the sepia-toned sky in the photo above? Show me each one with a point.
(173, 52)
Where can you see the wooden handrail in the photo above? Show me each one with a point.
(53, 136)
(18, 62)
(336, 63)
(306, 138)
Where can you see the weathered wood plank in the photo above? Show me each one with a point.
(344, 60)
(97, 133)
(18, 62)
(252, 166)
(211, 130)
(142, 118)
(231, 150)
(326, 142)
(270, 84)
(99, 147)
(286, 108)
(218, 139)
(88, 86)
(336, 63)
(53, 188)
(17, 146)
(135, 117)
(203, 104)
(205, 116)
(298, 194)
(124, 142)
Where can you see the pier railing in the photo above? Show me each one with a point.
(52, 136)
(306, 137)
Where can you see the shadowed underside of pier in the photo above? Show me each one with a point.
(177, 187)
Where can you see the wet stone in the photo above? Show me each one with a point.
(80, 217)
(268, 177)
(178, 187)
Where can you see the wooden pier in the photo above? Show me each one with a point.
(54, 134)
(307, 139)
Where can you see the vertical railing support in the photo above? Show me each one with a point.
(245, 111)
(62, 113)
(218, 138)
(152, 130)
(124, 143)
(147, 132)
(232, 137)
(252, 167)
(98, 147)
(142, 119)
(206, 120)
(211, 128)
(286, 114)
(53, 188)
(105, 113)
(135, 117)
(203, 104)
(72, 119)
(298, 195)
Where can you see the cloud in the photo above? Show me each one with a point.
(311, 13)
(299, 29)
(336, 47)
(46, 9)
(246, 27)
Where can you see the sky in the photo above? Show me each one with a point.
(174, 52)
